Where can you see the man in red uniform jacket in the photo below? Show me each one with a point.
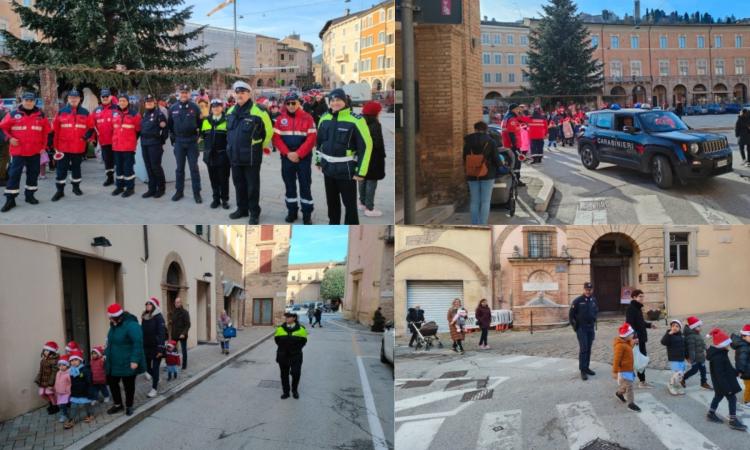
(294, 135)
(71, 129)
(102, 118)
(537, 131)
(26, 128)
(511, 135)
(125, 134)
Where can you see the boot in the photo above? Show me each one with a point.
(735, 424)
(177, 196)
(30, 198)
(197, 197)
(238, 214)
(707, 386)
(215, 204)
(159, 192)
(147, 194)
(128, 192)
(306, 218)
(291, 217)
(225, 204)
(712, 417)
(10, 203)
(60, 192)
(110, 179)
(118, 190)
(77, 189)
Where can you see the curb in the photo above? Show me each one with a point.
(543, 197)
(117, 427)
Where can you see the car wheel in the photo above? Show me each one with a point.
(661, 172)
(383, 359)
(588, 157)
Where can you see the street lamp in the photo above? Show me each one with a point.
(219, 7)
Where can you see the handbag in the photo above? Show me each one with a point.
(230, 332)
(640, 361)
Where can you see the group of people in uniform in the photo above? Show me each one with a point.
(234, 143)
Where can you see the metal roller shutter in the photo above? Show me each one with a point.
(435, 297)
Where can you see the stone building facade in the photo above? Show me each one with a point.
(504, 47)
(303, 282)
(266, 269)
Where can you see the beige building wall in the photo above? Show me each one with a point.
(369, 273)
(341, 41)
(32, 312)
(303, 281)
(267, 55)
(504, 47)
(459, 253)
(717, 279)
(266, 285)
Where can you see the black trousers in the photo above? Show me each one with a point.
(247, 186)
(483, 337)
(295, 369)
(642, 348)
(114, 386)
(152, 367)
(183, 346)
(338, 191)
(152, 154)
(109, 159)
(219, 176)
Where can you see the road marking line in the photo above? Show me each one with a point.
(650, 211)
(418, 435)
(668, 427)
(710, 211)
(530, 212)
(431, 397)
(589, 213)
(500, 430)
(704, 397)
(513, 359)
(581, 424)
(541, 363)
(434, 380)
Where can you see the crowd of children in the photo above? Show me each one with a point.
(686, 345)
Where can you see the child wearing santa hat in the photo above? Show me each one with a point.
(741, 346)
(45, 378)
(173, 360)
(70, 346)
(62, 387)
(724, 378)
(622, 366)
(675, 344)
(80, 389)
(696, 351)
(98, 376)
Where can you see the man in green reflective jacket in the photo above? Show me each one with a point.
(290, 337)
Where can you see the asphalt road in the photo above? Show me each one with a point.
(522, 402)
(346, 401)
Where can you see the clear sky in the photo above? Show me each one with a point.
(511, 10)
(318, 243)
(305, 17)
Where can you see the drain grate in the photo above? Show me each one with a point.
(416, 383)
(272, 384)
(601, 444)
(482, 394)
(454, 374)
(454, 383)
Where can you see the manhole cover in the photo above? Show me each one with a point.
(454, 383)
(454, 374)
(601, 444)
(272, 384)
(482, 394)
(416, 383)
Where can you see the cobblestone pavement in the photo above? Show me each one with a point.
(562, 342)
(37, 429)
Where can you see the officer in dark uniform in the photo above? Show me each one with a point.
(184, 125)
(582, 318)
(154, 134)
(249, 132)
(214, 134)
(290, 337)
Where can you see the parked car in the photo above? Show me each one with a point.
(714, 108)
(732, 108)
(655, 142)
(693, 110)
(703, 109)
(387, 344)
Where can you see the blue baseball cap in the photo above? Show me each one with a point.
(74, 93)
(28, 96)
(105, 92)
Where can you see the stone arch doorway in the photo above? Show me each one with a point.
(659, 97)
(679, 94)
(740, 93)
(699, 93)
(377, 85)
(174, 284)
(639, 94)
(720, 92)
(493, 95)
(614, 258)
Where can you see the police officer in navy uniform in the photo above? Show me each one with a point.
(249, 132)
(154, 134)
(214, 134)
(290, 338)
(582, 316)
(184, 125)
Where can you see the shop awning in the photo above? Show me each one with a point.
(233, 288)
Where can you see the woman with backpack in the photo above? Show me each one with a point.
(481, 164)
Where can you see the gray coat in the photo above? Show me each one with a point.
(695, 345)
(220, 328)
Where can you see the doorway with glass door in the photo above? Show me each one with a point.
(262, 311)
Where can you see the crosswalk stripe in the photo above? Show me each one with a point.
(431, 397)
(704, 397)
(500, 430)
(709, 209)
(417, 435)
(513, 359)
(674, 432)
(541, 363)
(581, 424)
(650, 211)
(590, 216)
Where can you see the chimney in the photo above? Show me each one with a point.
(637, 15)
(347, 11)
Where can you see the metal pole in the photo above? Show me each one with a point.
(409, 111)
(236, 47)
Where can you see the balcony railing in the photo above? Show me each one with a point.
(342, 58)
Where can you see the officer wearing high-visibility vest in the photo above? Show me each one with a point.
(26, 128)
(290, 337)
(72, 127)
(344, 149)
(249, 132)
(214, 135)
(154, 134)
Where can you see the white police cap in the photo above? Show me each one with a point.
(240, 85)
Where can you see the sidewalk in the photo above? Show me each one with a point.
(37, 429)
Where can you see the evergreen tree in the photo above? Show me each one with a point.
(560, 54)
(139, 34)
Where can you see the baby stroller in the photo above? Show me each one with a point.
(505, 191)
(426, 334)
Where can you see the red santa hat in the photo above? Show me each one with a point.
(694, 322)
(154, 301)
(745, 330)
(98, 350)
(720, 338)
(171, 343)
(372, 109)
(63, 360)
(71, 346)
(50, 346)
(625, 330)
(76, 354)
(114, 310)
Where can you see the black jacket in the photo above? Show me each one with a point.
(289, 346)
(416, 316)
(376, 171)
(184, 121)
(741, 356)
(482, 144)
(723, 375)
(151, 131)
(214, 140)
(248, 127)
(583, 311)
(695, 346)
(154, 334)
(180, 323)
(80, 386)
(634, 316)
(742, 130)
(318, 109)
(675, 344)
